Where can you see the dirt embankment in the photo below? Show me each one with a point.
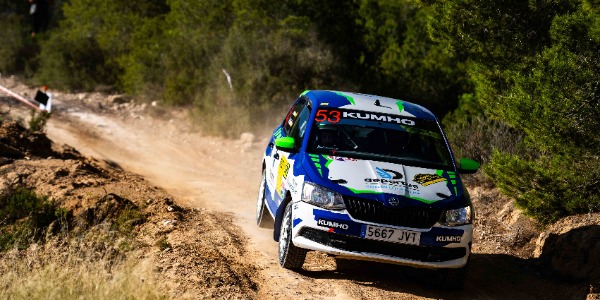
(196, 195)
(115, 215)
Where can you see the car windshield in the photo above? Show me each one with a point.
(376, 136)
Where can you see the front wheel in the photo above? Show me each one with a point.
(290, 256)
(263, 218)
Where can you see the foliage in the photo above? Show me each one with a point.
(12, 43)
(18, 52)
(549, 187)
(474, 135)
(37, 122)
(253, 58)
(24, 215)
(535, 66)
(128, 217)
(93, 37)
(180, 50)
(163, 244)
(402, 59)
(75, 63)
(526, 72)
(194, 31)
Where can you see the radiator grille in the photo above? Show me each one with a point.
(410, 216)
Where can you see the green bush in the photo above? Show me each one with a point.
(163, 244)
(37, 122)
(535, 66)
(18, 51)
(474, 135)
(25, 215)
(11, 36)
(401, 59)
(75, 63)
(129, 216)
(550, 187)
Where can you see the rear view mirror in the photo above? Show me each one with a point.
(467, 166)
(285, 143)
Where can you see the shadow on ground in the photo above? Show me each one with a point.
(491, 276)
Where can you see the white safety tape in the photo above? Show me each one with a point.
(16, 96)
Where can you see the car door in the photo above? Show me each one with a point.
(282, 162)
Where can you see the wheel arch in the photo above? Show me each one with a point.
(279, 215)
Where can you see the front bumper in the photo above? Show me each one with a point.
(337, 233)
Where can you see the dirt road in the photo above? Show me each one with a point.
(223, 175)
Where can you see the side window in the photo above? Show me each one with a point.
(297, 120)
(300, 127)
(290, 119)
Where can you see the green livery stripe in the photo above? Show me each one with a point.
(277, 133)
(317, 162)
(329, 161)
(400, 104)
(363, 191)
(347, 98)
(304, 93)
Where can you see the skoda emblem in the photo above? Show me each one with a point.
(393, 201)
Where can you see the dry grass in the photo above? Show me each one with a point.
(44, 272)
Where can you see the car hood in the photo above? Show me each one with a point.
(383, 180)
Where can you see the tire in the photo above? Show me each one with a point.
(263, 218)
(452, 279)
(290, 256)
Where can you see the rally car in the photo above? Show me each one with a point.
(369, 178)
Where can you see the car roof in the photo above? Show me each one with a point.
(366, 102)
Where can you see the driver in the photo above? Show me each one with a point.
(328, 138)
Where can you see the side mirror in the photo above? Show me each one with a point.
(467, 166)
(286, 144)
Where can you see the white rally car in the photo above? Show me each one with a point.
(366, 177)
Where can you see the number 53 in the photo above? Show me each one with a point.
(332, 116)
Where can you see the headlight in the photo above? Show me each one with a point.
(322, 197)
(455, 217)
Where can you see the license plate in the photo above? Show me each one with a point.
(391, 235)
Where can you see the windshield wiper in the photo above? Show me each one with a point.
(345, 132)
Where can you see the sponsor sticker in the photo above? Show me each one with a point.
(332, 224)
(448, 238)
(292, 186)
(334, 116)
(284, 168)
(378, 117)
(428, 179)
(388, 174)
